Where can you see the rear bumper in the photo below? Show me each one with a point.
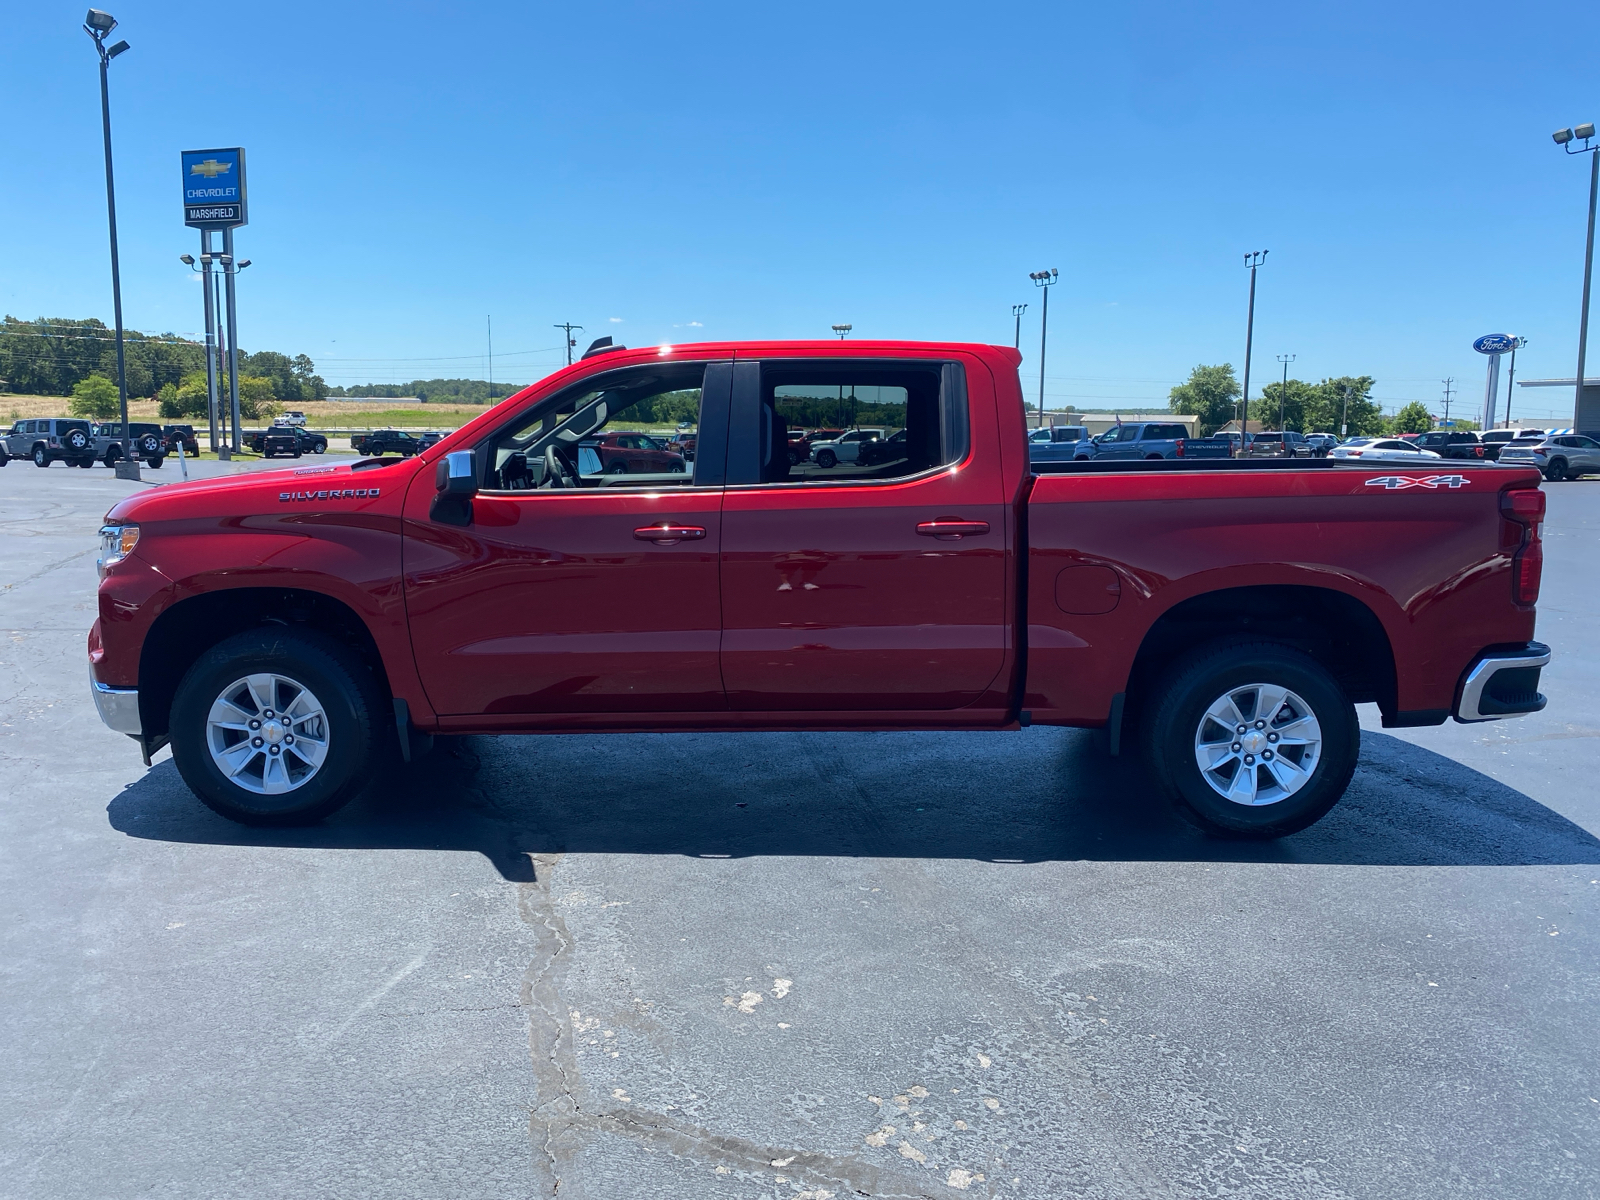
(1503, 683)
(118, 707)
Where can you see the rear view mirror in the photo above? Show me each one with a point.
(457, 474)
(456, 481)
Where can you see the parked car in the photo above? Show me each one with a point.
(148, 440)
(884, 449)
(801, 441)
(174, 436)
(628, 452)
(1561, 455)
(292, 417)
(844, 448)
(50, 439)
(1272, 444)
(1454, 443)
(684, 444)
(1321, 443)
(386, 441)
(1383, 449)
(279, 440)
(1059, 443)
(429, 437)
(429, 596)
(306, 441)
(1150, 440)
(1494, 439)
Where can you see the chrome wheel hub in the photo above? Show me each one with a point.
(1257, 744)
(267, 733)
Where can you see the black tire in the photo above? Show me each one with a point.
(297, 452)
(1556, 470)
(1173, 723)
(110, 460)
(319, 447)
(827, 458)
(794, 458)
(617, 466)
(1152, 458)
(157, 461)
(40, 458)
(357, 732)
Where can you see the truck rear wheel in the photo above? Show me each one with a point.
(1251, 739)
(277, 727)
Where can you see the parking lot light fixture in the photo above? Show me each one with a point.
(1044, 280)
(97, 25)
(1563, 138)
(843, 331)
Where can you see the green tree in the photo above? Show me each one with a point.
(1330, 408)
(1413, 418)
(95, 396)
(1210, 394)
(256, 398)
(189, 398)
(167, 399)
(1287, 405)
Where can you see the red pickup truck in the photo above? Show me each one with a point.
(290, 631)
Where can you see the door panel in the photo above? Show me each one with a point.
(833, 600)
(570, 595)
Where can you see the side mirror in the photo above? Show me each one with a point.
(456, 481)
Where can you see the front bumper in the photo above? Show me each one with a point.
(1503, 683)
(119, 707)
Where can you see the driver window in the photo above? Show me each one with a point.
(611, 431)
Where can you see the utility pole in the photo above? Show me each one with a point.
(490, 321)
(1252, 262)
(1447, 391)
(567, 327)
(1283, 396)
(1045, 280)
(1344, 414)
(1016, 311)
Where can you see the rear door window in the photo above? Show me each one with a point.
(899, 418)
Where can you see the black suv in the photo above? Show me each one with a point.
(390, 441)
(288, 439)
(47, 439)
(180, 435)
(1453, 443)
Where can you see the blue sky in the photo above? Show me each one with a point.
(691, 171)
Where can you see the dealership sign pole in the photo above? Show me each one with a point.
(1494, 345)
(214, 197)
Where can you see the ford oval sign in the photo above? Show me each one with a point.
(1495, 343)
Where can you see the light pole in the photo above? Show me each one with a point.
(567, 327)
(1016, 311)
(97, 25)
(1045, 280)
(1344, 414)
(230, 271)
(1562, 138)
(1283, 396)
(1252, 262)
(843, 331)
(1448, 389)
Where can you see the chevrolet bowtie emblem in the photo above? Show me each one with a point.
(211, 168)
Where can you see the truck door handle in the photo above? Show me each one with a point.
(669, 535)
(949, 527)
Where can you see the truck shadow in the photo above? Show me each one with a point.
(1043, 794)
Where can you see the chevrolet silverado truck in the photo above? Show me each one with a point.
(1144, 440)
(290, 631)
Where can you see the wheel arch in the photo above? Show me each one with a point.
(1336, 629)
(182, 633)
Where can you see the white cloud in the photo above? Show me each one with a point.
(615, 320)
(690, 325)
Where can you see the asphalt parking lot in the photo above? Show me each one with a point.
(892, 965)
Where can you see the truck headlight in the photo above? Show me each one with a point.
(116, 543)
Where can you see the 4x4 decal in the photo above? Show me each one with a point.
(1399, 483)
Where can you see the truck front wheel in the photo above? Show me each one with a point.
(277, 727)
(1252, 739)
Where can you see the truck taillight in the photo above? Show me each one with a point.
(1523, 508)
(1178, 453)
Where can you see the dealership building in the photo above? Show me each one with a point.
(1588, 407)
